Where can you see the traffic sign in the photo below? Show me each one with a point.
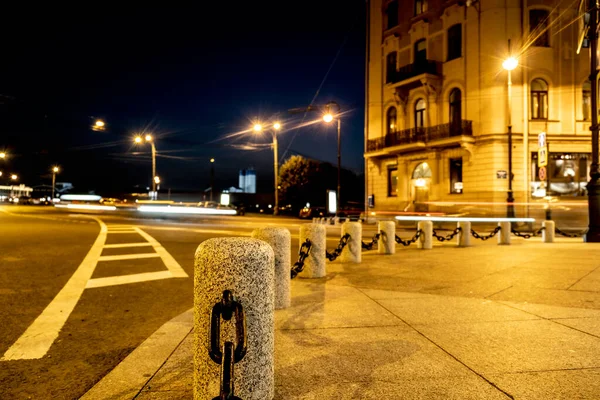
(542, 157)
(542, 173)
(542, 139)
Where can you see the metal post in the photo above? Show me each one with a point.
(212, 179)
(53, 184)
(510, 208)
(339, 160)
(276, 167)
(593, 186)
(153, 169)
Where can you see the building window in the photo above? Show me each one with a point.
(455, 112)
(420, 51)
(391, 66)
(392, 115)
(586, 94)
(538, 27)
(420, 114)
(455, 42)
(539, 99)
(567, 174)
(392, 14)
(456, 182)
(420, 6)
(392, 182)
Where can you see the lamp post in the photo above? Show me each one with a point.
(55, 171)
(99, 125)
(2, 155)
(276, 127)
(212, 177)
(149, 139)
(328, 118)
(509, 64)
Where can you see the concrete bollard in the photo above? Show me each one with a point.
(245, 267)
(504, 234)
(387, 237)
(425, 242)
(464, 236)
(314, 265)
(352, 253)
(548, 232)
(280, 241)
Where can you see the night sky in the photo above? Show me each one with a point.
(190, 76)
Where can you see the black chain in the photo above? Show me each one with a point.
(528, 235)
(369, 246)
(448, 237)
(336, 253)
(409, 241)
(485, 237)
(303, 253)
(571, 235)
(227, 355)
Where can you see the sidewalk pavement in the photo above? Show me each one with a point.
(484, 322)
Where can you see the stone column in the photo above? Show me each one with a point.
(425, 242)
(464, 236)
(280, 241)
(548, 232)
(314, 265)
(504, 234)
(353, 250)
(245, 267)
(387, 237)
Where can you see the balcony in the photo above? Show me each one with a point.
(421, 136)
(410, 71)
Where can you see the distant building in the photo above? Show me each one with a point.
(247, 182)
(437, 101)
(8, 192)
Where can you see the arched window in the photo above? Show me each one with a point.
(422, 171)
(420, 113)
(586, 97)
(455, 111)
(539, 99)
(392, 115)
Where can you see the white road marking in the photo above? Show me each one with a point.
(39, 336)
(124, 245)
(167, 258)
(125, 279)
(119, 257)
(128, 231)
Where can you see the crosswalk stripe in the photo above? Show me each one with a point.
(128, 257)
(125, 279)
(124, 245)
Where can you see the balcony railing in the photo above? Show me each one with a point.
(412, 70)
(422, 135)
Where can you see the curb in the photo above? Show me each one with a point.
(128, 378)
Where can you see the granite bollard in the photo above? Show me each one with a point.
(425, 241)
(504, 234)
(548, 232)
(280, 240)
(387, 237)
(464, 236)
(353, 250)
(245, 267)
(314, 265)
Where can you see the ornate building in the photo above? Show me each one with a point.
(437, 104)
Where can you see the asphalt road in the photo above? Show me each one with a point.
(69, 316)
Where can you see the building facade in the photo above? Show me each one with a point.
(438, 109)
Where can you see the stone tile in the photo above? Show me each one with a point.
(590, 282)
(444, 310)
(563, 298)
(582, 384)
(516, 346)
(377, 294)
(168, 395)
(547, 311)
(589, 325)
(335, 306)
(176, 374)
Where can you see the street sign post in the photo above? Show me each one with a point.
(542, 150)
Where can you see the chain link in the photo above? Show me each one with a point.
(448, 237)
(571, 235)
(409, 241)
(528, 235)
(485, 237)
(336, 253)
(303, 253)
(227, 355)
(369, 246)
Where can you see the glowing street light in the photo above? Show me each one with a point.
(156, 180)
(2, 155)
(328, 117)
(277, 126)
(510, 63)
(14, 177)
(138, 139)
(148, 139)
(257, 128)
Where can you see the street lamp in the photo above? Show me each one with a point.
(149, 139)
(55, 171)
(509, 64)
(328, 118)
(2, 155)
(14, 177)
(99, 125)
(276, 127)
(212, 177)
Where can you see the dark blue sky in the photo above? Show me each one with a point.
(189, 76)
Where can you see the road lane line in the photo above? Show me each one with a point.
(123, 245)
(167, 258)
(129, 231)
(39, 336)
(120, 257)
(125, 279)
